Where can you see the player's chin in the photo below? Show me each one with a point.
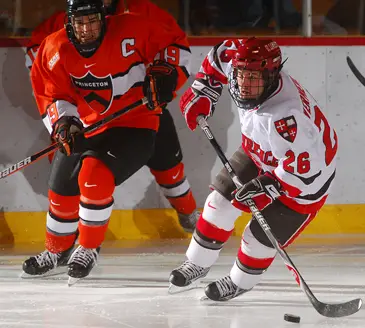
(87, 40)
(247, 97)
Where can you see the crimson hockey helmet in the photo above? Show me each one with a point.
(255, 72)
(85, 25)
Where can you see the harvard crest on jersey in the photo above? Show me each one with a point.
(97, 91)
(287, 128)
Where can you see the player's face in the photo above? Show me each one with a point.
(87, 28)
(250, 83)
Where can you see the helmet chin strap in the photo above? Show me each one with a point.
(78, 8)
(85, 50)
(271, 85)
(260, 55)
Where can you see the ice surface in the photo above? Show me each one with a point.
(129, 289)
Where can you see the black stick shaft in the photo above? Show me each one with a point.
(50, 149)
(355, 71)
(327, 310)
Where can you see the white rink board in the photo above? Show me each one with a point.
(322, 70)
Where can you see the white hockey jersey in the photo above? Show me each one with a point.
(287, 135)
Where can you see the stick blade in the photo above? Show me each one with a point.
(355, 71)
(339, 310)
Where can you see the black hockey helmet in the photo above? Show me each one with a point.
(85, 25)
(110, 6)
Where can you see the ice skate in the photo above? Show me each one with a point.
(222, 290)
(188, 221)
(46, 264)
(81, 263)
(186, 277)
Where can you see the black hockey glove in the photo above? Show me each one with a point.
(160, 83)
(263, 190)
(66, 132)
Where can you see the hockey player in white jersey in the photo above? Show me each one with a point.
(286, 162)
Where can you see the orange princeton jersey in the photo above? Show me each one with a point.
(49, 26)
(65, 83)
(56, 22)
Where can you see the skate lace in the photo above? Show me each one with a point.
(84, 256)
(190, 270)
(226, 286)
(47, 258)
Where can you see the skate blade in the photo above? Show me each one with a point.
(72, 281)
(54, 272)
(177, 290)
(206, 300)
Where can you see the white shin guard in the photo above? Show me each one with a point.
(220, 212)
(251, 247)
(201, 256)
(243, 279)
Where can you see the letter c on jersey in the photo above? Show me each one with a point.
(127, 47)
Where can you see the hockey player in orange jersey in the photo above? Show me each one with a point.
(101, 70)
(166, 164)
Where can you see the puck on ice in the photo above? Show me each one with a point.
(291, 318)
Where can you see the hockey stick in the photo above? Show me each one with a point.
(355, 71)
(50, 149)
(327, 310)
